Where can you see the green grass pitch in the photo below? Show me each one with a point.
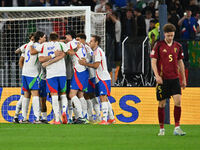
(96, 137)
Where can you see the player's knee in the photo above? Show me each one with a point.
(162, 104)
(178, 103)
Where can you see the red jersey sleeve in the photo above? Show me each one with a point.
(180, 54)
(154, 52)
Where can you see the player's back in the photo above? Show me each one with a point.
(31, 63)
(58, 68)
(102, 71)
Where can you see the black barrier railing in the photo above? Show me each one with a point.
(136, 63)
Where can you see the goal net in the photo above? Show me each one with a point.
(16, 23)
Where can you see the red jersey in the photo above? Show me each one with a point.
(167, 58)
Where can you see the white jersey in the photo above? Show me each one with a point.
(102, 71)
(31, 63)
(58, 68)
(81, 52)
(89, 52)
(23, 47)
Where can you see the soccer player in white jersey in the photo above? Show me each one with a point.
(92, 101)
(36, 50)
(21, 63)
(56, 74)
(79, 80)
(30, 73)
(103, 80)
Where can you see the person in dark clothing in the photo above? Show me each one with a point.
(173, 18)
(128, 25)
(140, 23)
(35, 3)
(9, 3)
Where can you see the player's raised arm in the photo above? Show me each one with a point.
(33, 51)
(21, 62)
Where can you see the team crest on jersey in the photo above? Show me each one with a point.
(165, 51)
(175, 50)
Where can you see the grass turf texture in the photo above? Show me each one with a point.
(96, 137)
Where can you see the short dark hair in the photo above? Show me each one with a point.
(81, 36)
(110, 5)
(31, 35)
(138, 10)
(97, 38)
(169, 28)
(72, 33)
(53, 36)
(38, 35)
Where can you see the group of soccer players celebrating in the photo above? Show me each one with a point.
(73, 72)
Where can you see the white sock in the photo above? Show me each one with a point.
(84, 106)
(18, 106)
(55, 107)
(89, 108)
(60, 109)
(75, 113)
(44, 115)
(70, 109)
(25, 104)
(104, 110)
(77, 105)
(110, 112)
(36, 107)
(96, 107)
(64, 102)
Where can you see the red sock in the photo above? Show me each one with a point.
(177, 115)
(161, 117)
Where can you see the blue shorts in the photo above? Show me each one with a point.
(42, 91)
(80, 81)
(56, 84)
(22, 92)
(30, 83)
(91, 85)
(103, 88)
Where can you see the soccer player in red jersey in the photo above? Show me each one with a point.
(167, 62)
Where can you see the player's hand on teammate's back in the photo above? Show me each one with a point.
(159, 80)
(57, 53)
(82, 61)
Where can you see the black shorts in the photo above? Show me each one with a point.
(169, 88)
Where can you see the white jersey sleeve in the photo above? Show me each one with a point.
(23, 47)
